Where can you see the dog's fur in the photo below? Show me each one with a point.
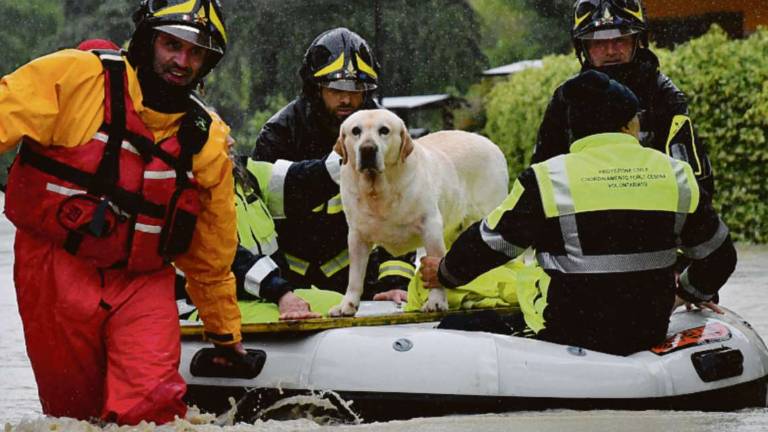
(403, 194)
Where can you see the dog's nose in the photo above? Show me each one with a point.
(368, 156)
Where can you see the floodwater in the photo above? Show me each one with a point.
(746, 293)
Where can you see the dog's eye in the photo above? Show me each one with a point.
(383, 130)
(356, 131)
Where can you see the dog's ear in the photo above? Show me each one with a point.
(340, 148)
(406, 143)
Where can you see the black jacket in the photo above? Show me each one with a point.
(617, 313)
(304, 130)
(660, 101)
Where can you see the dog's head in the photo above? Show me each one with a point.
(371, 140)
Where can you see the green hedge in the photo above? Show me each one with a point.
(727, 85)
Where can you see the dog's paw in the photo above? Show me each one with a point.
(437, 301)
(346, 308)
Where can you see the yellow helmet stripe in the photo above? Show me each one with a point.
(637, 14)
(364, 67)
(183, 8)
(217, 23)
(333, 67)
(578, 20)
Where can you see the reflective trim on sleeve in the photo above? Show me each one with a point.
(684, 192)
(276, 188)
(256, 274)
(396, 268)
(443, 271)
(333, 165)
(335, 264)
(607, 263)
(685, 285)
(495, 241)
(335, 205)
(684, 195)
(704, 249)
(297, 265)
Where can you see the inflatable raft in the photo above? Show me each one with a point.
(385, 364)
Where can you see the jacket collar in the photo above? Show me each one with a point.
(603, 140)
(154, 120)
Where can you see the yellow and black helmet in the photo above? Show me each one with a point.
(342, 60)
(607, 19)
(200, 22)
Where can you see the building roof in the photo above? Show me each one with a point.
(411, 102)
(513, 68)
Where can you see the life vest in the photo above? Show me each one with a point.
(119, 200)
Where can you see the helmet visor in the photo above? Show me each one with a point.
(192, 35)
(610, 33)
(350, 85)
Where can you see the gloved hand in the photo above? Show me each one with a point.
(228, 361)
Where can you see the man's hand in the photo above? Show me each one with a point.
(231, 147)
(396, 295)
(294, 308)
(428, 271)
(702, 305)
(228, 354)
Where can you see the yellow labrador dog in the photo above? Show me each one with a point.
(404, 194)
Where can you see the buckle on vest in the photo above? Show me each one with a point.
(87, 214)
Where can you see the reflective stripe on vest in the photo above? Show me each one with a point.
(110, 200)
(396, 268)
(624, 177)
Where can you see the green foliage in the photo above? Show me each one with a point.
(727, 85)
(28, 29)
(246, 136)
(516, 106)
(523, 29)
(425, 47)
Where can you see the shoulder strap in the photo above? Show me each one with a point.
(107, 174)
(193, 134)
